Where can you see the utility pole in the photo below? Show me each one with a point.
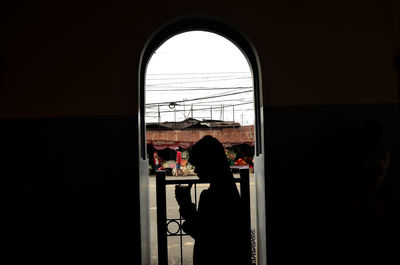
(184, 109)
(175, 117)
(159, 115)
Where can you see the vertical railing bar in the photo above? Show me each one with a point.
(245, 196)
(195, 195)
(245, 190)
(161, 218)
(180, 236)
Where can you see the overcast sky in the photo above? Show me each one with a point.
(201, 71)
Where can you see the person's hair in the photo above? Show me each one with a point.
(209, 152)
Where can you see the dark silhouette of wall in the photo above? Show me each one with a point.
(313, 160)
(68, 191)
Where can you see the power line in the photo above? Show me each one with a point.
(194, 77)
(236, 85)
(196, 81)
(236, 104)
(220, 100)
(204, 109)
(195, 99)
(206, 102)
(198, 88)
(214, 108)
(211, 73)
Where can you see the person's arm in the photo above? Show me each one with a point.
(200, 219)
(191, 224)
(184, 199)
(187, 210)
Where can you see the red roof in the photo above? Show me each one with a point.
(161, 139)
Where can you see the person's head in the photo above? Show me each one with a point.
(209, 159)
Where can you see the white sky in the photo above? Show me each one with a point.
(195, 65)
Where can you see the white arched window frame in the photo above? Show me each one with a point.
(162, 35)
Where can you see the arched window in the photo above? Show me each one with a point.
(159, 38)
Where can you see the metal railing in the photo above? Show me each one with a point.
(163, 222)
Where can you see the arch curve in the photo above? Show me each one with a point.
(208, 24)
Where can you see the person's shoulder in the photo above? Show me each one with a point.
(205, 194)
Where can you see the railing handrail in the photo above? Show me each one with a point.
(191, 181)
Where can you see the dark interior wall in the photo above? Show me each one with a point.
(68, 103)
(329, 53)
(76, 58)
(67, 191)
(312, 166)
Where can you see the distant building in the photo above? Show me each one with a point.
(189, 131)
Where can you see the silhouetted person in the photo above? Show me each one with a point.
(373, 205)
(218, 225)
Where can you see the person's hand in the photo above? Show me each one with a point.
(182, 194)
